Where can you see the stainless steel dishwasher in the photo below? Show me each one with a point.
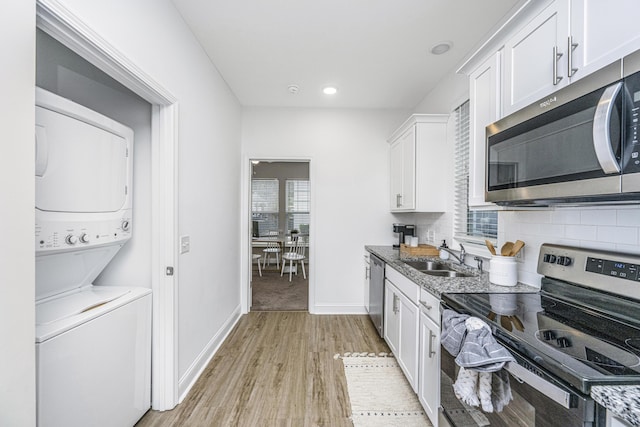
(376, 292)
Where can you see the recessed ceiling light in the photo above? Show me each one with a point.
(330, 90)
(441, 48)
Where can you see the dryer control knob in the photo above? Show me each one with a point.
(85, 238)
(71, 239)
(125, 225)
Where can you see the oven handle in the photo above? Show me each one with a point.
(551, 391)
(601, 135)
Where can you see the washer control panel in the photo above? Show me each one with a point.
(57, 235)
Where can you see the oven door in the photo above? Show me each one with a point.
(538, 400)
(541, 151)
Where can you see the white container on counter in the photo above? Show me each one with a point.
(503, 270)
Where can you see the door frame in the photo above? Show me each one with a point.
(246, 228)
(60, 23)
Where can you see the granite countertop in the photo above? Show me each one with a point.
(440, 285)
(622, 401)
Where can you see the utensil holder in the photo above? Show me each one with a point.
(503, 270)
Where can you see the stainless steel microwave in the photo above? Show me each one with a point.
(579, 145)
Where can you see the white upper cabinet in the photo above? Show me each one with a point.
(565, 42)
(534, 58)
(603, 32)
(484, 109)
(419, 159)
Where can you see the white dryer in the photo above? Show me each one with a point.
(93, 343)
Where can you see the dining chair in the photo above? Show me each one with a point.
(273, 248)
(296, 255)
(258, 258)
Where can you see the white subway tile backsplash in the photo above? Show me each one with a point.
(581, 232)
(565, 216)
(598, 217)
(618, 235)
(628, 217)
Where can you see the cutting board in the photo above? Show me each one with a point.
(420, 250)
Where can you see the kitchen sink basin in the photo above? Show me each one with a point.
(428, 266)
(446, 273)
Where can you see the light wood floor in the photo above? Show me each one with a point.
(276, 369)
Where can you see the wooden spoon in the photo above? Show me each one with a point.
(506, 249)
(519, 244)
(517, 323)
(490, 246)
(506, 323)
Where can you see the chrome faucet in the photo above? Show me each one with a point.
(460, 257)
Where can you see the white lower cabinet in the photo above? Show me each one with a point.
(401, 319)
(429, 382)
(412, 331)
(429, 369)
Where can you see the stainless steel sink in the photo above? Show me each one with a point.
(428, 266)
(446, 273)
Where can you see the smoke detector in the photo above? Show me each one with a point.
(293, 89)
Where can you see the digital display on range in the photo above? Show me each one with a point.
(619, 269)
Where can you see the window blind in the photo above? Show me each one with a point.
(470, 226)
(265, 205)
(298, 204)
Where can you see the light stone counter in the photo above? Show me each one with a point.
(440, 285)
(622, 401)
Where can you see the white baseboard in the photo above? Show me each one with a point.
(197, 367)
(338, 309)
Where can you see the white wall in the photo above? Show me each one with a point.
(349, 174)
(153, 35)
(17, 259)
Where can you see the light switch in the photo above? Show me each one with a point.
(185, 244)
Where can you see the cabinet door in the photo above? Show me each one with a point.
(429, 382)
(535, 58)
(603, 31)
(408, 351)
(395, 171)
(408, 201)
(367, 277)
(484, 104)
(391, 317)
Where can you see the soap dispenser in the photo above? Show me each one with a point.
(444, 254)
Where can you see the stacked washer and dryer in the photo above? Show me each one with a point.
(93, 343)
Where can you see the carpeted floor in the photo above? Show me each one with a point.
(274, 293)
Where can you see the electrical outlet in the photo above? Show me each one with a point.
(520, 255)
(185, 244)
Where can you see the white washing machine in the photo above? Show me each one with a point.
(93, 343)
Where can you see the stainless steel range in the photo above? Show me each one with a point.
(582, 329)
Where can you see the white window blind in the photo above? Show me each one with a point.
(298, 202)
(264, 205)
(470, 226)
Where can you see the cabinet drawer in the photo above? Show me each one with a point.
(430, 305)
(406, 286)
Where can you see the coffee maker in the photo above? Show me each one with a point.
(403, 230)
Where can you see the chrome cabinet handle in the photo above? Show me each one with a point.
(431, 337)
(601, 136)
(424, 304)
(570, 48)
(398, 198)
(556, 56)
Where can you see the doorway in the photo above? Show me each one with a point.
(279, 214)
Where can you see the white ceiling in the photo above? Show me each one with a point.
(376, 52)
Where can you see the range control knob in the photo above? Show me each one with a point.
(125, 225)
(564, 260)
(71, 239)
(85, 238)
(563, 342)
